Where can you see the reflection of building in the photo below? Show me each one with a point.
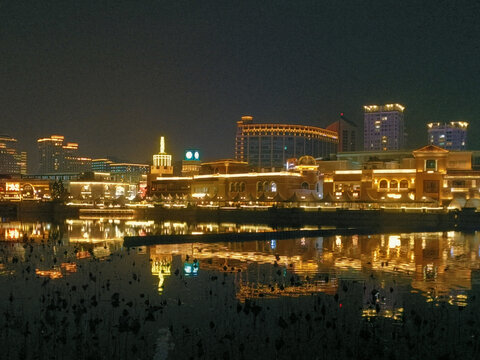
(452, 136)
(269, 146)
(347, 134)
(11, 161)
(57, 157)
(384, 127)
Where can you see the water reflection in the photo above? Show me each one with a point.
(437, 265)
(78, 274)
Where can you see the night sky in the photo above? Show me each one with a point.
(114, 76)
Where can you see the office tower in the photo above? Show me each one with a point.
(347, 134)
(269, 146)
(451, 136)
(384, 127)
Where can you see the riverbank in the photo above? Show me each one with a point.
(375, 220)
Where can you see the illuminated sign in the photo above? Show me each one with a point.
(12, 186)
(192, 155)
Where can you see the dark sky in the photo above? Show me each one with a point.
(114, 76)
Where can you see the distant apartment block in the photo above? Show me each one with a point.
(12, 162)
(59, 157)
(384, 127)
(269, 146)
(451, 136)
(347, 134)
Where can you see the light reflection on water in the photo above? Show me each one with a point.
(371, 275)
(437, 265)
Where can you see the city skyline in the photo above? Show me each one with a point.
(115, 78)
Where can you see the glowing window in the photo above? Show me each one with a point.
(394, 184)
(404, 184)
(383, 184)
(273, 187)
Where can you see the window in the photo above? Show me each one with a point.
(265, 186)
(231, 187)
(383, 184)
(430, 164)
(394, 184)
(242, 187)
(273, 187)
(305, 186)
(404, 184)
(259, 186)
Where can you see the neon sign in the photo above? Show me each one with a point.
(12, 186)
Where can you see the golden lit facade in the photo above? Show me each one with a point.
(269, 146)
(162, 162)
(24, 189)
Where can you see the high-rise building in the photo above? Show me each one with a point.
(384, 127)
(269, 146)
(12, 162)
(347, 134)
(57, 157)
(452, 136)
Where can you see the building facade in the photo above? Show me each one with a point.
(347, 134)
(451, 136)
(269, 146)
(59, 157)
(384, 127)
(12, 162)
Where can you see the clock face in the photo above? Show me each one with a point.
(197, 155)
(188, 155)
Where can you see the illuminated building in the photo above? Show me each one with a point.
(230, 181)
(452, 136)
(347, 134)
(269, 146)
(162, 162)
(97, 192)
(24, 189)
(128, 172)
(11, 161)
(191, 163)
(101, 165)
(384, 127)
(57, 157)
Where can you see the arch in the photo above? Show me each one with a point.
(404, 184)
(383, 184)
(231, 187)
(259, 186)
(242, 187)
(273, 186)
(394, 184)
(305, 186)
(237, 187)
(265, 186)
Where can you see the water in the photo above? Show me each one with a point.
(73, 291)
